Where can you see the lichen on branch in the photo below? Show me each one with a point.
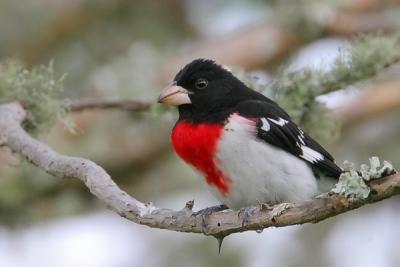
(296, 92)
(353, 183)
(37, 90)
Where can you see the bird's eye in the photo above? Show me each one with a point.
(201, 83)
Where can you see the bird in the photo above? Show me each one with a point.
(244, 144)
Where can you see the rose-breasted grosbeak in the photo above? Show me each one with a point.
(244, 144)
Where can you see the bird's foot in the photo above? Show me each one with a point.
(204, 213)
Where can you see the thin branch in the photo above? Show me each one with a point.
(93, 103)
(218, 224)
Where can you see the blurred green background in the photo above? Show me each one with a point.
(132, 49)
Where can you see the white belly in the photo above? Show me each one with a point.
(259, 172)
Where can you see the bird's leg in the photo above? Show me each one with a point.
(204, 213)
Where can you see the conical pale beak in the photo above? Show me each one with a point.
(174, 95)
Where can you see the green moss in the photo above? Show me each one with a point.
(296, 92)
(367, 56)
(375, 170)
(321, 122)
(37, 89)
(352, 183)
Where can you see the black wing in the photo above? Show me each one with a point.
(275, 127)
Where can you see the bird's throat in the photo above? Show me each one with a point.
(197, 144)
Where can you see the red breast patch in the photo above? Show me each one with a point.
(196, 144)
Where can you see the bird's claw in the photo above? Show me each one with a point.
(204, 213)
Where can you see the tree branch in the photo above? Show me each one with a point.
(218, 224)
(92, 103)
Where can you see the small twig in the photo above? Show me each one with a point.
(124, 104)
(218, 224)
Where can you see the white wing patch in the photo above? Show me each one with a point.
(301, 136)
(265, 125)
(279, 122)
(311, 155)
